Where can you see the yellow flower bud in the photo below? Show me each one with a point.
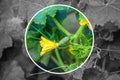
(70, 48)
(85, 22)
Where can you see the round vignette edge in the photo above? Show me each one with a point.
(48, 70)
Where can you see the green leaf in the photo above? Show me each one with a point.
(84, 40)
(77, 15)
(33, 33)
(45, 59)
(37, 26)
(35, 52)
(51, 11)
(41, 17)
(32, 39)
(59, 15)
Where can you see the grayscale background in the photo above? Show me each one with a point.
(104, 62)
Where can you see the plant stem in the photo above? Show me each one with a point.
(58, 68)
(79, 33)
(39, 31)
(61, 27)
(34, 38)
(55, 61)
(59, 59)
(77, 61)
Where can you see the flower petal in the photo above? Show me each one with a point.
(47, 45)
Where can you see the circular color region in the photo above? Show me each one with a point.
(59, 39)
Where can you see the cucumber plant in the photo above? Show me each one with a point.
(52, 46)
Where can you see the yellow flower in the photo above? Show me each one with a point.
(85, 22)
(47, 45)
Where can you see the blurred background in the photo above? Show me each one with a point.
(104, 62)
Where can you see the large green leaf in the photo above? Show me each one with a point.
(41, 17)
(54, 11)
(33, 45)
